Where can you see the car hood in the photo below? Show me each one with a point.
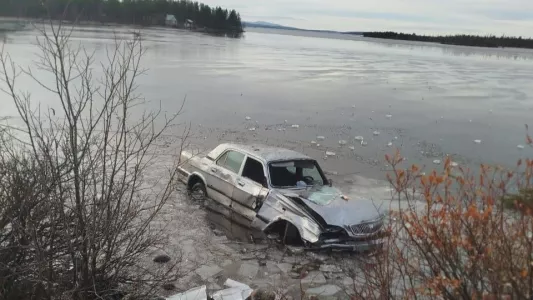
(336, 208)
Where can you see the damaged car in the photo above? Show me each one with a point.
(284, 194)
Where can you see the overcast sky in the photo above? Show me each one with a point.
(510, 17)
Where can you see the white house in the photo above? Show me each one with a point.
(171, 21)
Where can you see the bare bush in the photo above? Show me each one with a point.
(75, 210)
(452, 236)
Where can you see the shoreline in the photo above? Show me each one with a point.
(28, 21)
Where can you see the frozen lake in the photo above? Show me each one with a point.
(429, 100)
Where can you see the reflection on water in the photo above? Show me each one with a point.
(232, 229)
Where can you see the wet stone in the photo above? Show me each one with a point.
(161, 259)
(169, 287)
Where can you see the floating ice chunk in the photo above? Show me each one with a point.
(342, 142)
(395, 137)
(389, 144)
(330, 153)
(454, 164)
(198, 293)
(248, 118)
(477, 141)
(388, 116)
(295, 126)
(520, 147)
(436, 161)
(363, 143)
(318, 145)
(320, 138)
(313, 142)
(351, 148)
(376, 133)
(251, 129)
(358, 138)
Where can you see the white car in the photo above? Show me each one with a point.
(283, 193)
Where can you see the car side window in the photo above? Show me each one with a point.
(232, 160)
(254, 170)
(222, 160)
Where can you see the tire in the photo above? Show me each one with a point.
(198, 193)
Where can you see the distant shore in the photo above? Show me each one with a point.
(8, 24)
(458, 40)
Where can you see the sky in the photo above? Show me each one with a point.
(509, 17)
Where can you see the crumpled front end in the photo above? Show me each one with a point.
(312, 228)
(364, 237)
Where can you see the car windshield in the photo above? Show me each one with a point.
(295, 174)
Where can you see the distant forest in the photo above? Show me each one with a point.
(140, 12)
(463, 40)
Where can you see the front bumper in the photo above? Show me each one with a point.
(361, 246)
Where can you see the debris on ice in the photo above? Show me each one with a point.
(251, 129)
(330, 153)
(351, 148)
(363, 143)
(248, 118)
(389, 144)
(436, 161)
(313, 142)
(320, 138)
(477, 141)
(295, 126)
(235, 291)
(342, 142)
(376, 133)
(358, 138)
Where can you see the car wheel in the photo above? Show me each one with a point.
(198, 192)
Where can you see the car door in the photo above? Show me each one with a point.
(250, 189)
(222, 176)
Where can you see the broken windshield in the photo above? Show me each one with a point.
(295, 174)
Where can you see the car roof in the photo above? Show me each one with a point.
(266, 153)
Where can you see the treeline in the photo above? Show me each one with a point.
(140, 12)
(463, 40)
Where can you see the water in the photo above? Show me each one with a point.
(428, 100)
